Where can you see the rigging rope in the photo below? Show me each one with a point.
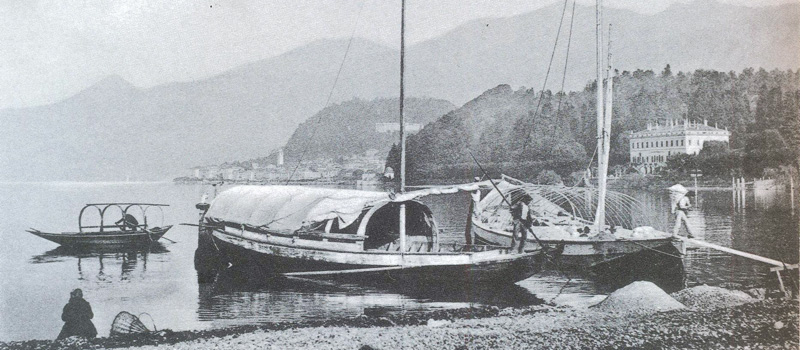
(566, 60)
(546, 76)
(330, 95)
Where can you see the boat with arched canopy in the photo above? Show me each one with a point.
(128, 230)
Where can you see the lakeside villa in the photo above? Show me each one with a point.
(650, 148)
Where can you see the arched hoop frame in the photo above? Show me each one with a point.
(123, 208)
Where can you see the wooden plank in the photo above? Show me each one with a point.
(342, 272)
(734, 252)
(342, 236)
(781, 268)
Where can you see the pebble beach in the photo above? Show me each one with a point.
(637, 316)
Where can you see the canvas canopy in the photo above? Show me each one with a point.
(292, 207)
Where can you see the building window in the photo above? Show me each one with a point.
(671, 143)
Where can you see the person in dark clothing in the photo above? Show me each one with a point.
(128, 221)
(521, 215)
(77, 316)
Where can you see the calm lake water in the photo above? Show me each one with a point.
(36, 277)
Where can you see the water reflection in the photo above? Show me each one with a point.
(100, 264)
(246, 296)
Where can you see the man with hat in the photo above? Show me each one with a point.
(680, 207)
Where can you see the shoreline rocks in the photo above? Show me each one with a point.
(709, 298)
(770, 323)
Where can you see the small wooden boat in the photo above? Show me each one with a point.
(125, 232)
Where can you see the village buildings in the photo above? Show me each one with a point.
(650, 148)
(355, 167)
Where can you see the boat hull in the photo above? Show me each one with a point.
(374, 267)
(588, 253)
(103, 239)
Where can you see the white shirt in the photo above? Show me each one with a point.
(684, 203)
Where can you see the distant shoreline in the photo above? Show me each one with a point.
(84, 182)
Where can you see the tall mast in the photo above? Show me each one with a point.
(402, 218)
(600, 219)
(402, 98)
(607, 121)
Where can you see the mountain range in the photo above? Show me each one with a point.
(114, 131)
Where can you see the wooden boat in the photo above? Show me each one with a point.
(120, 234)
(351, 235)
(557, 225)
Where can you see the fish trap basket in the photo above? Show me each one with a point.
(127, 323)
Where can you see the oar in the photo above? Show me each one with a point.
(148, 235)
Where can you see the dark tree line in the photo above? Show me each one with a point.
(509, 134)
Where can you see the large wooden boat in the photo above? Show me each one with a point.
(125, 232)
(558, 223)
(351, 234)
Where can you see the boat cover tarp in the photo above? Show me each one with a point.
(292, 207)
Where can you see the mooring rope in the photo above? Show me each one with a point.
(653, 249)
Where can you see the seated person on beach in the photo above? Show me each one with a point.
(128, 222)
(77, 316)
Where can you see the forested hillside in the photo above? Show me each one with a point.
(509, 134)
(349, 128)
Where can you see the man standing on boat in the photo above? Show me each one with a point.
(521, 214)
(680, 207)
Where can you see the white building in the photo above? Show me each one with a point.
(650, 148)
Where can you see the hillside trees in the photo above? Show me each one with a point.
(509, 134)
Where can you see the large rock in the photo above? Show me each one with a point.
(639, 297)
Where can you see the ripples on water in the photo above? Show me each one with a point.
(36, 276)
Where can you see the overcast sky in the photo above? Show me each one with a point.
(52, 49)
